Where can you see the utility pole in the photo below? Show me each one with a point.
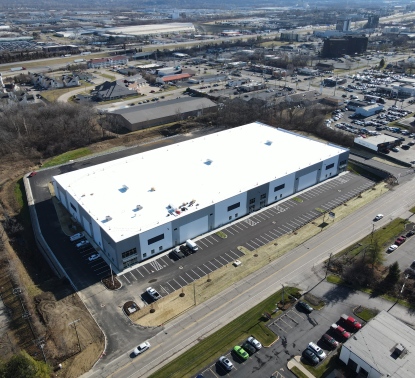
(76, 331)
(328, 265)
(371, 234)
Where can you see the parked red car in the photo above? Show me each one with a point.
(400, 240)
(340, 331)
(351, 322)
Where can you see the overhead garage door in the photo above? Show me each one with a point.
(62, 199)
(193, 229)
(307, 180)
(87, 226)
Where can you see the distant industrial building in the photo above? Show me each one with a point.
(384, 347)
(377, 143)
(290, 37)
(349, 45)
(153, 29)
(154, 114)
(113, 61)
(343, 24)
(139, 206)
(368, 110)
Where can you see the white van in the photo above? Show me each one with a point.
(317, 350)
(76, 237)
(192, 245)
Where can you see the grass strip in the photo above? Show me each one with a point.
(298, 199)
(365, 313)
(67, 156)
(385, 236)
(324, 367)
(296, 371)
(212, 347)
(221, 234)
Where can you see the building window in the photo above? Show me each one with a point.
(236, 215)
(230, 217)
(210, 214)
(280, 195)
(161, 248)
(263, 196)
(152, 251)
(155, 239)
(279, 187)
(73, 207)
(330, 166)
(144, 254)
(251, 201)
(276, 198)
(175, 229)
(234, 206)
(129, 253)
(343, 162)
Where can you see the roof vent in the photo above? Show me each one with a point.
(399, 349)
(208, 162)
(138, 207)
(108, 218)
(123, 189)
(153, 189)
(268, 142)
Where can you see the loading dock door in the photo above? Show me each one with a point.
(307, 180)
(195, 228)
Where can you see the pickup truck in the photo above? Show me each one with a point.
(351, 322)
(340, 331)
(153, 293)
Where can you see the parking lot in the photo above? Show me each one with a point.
(168, 275)
(295, 330)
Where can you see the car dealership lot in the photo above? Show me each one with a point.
(167, 275)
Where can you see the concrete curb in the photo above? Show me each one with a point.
(295, 362)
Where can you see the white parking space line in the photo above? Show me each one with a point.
(275, 235)
(133, 275)
(201, 270)
(195, 273)
(266, 237)
(208, 241)
(200, 241)
(171, 287)
(272, 237)
(139, 272)
(272, 211)
(262, 216)
(183, 279)
(164, 262)
(207, 267)
(218, 262)
(216, 240)
(297, 314)
(146, 269)
(250, 246)
(126, 278)
(229, 230)
(257, 245)
(177, 283)
(164, 289)
(212, 264)
(237, 256)
(260, 241)
(241, 226)
(191, 278)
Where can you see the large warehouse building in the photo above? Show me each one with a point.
(141, 205)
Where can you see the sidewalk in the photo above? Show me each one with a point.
(295, 362)
(332, 293)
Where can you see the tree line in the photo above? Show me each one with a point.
(47, 130)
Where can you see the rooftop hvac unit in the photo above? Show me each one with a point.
(139, 207)
(108, 218)
(153, 189)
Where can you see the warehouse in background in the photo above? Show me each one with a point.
(141, 205)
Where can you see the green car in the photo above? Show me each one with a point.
(241, 352)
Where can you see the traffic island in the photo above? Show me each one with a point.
(111, 283)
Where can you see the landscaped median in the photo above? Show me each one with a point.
(205, 353)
